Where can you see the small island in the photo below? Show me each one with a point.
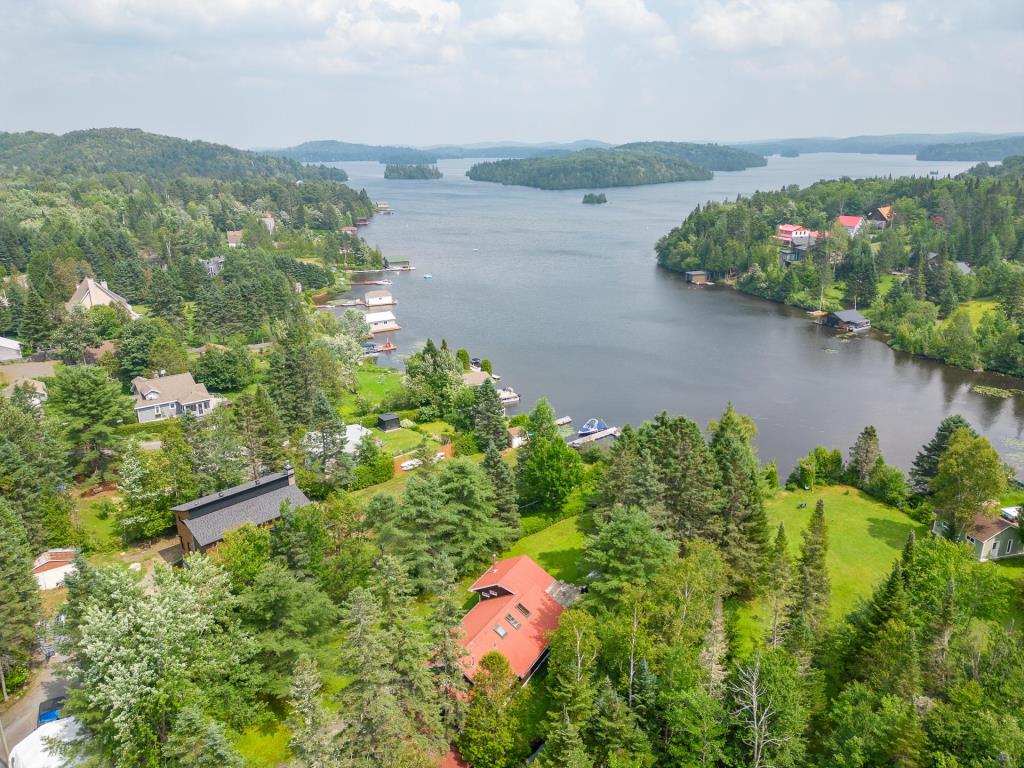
(789, 153)
(592, 198)
(417, 172)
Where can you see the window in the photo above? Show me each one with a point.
(1009, 546)
(513, 621)
(500, 631)
(523, 610)
(995, 547)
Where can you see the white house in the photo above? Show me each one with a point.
(9, 349)
(52, 566)
(382, 322)
(91, 294)
(792, 233)
(379, 299)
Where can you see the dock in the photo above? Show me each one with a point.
(564, 421)
(582, 442)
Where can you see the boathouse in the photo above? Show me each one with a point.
(697, 277)
(847, 320)
(382, 322)
(379, 299)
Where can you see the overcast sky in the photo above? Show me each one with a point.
(278, 72)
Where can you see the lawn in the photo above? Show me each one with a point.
(557, 548)
(373, 386)
(976, 308)
(264, 746)
(864, 538)
(99, 534)
(399, 440)
(1012, 569)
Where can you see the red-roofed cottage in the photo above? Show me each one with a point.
(520, 604)
(789, 233)
(852, 223)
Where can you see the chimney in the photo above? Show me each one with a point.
(290, 471)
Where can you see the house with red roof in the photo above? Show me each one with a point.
(234, 238)
(519, 607)
(852, 224)
(788, 233)
(881, 216)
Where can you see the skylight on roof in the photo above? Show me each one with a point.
(500, 631)
(513, 621)
(523, 610)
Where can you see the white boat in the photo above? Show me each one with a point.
(428, 276)
(508, 396)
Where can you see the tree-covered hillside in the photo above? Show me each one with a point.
(129, 150)
(589, 169)
(330, 151)
(886, 144)
(997, 149)
(416, 171)
(714, 157)
(945, 278)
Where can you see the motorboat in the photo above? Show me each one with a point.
(592, 426)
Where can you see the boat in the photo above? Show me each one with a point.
(387, 346)
(591, 426)
(428, 276)
(369, 349)
(385, 282)
(508, 396)
(563, 421)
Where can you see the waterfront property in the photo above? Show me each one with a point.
(697, 277)
(379, 299)
(847, 321)
(166, 397)
(519, 606)
(90, 293)
(382, 322)
(475, 378)
(9, 349)
(398, 265)
(991, 538)
(202, 523)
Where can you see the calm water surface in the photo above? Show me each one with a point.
(567, 302)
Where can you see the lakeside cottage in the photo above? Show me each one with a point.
(382, 322)
(202, 523)
(519, 607)
(9, 349)
(991, 538)
(91, 294)
(379, 299)
(847, 321)
(166, 397)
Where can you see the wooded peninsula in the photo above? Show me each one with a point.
(418, 171)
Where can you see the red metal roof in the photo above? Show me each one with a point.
(789, 227)
(525, 586)
(851, 221)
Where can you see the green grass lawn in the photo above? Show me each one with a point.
(864, 538)
(399, 440)
(557, 548)
(100, 534)
(264, 746)
(1012, 569)
(976, 308)
(374, 386)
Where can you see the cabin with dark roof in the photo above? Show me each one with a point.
(847, 321)
(388, 422)
(203, 522)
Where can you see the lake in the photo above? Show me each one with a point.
(567, 302)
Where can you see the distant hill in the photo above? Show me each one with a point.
(714, 157)
(995, 149)
(887, 144)
(589, 168)
(130, 150)
(330, 151)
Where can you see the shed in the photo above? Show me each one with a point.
(52, 566)
(9, 349)
(379, 299)
(382, 322)
(697, 277)
(388, 422)
(847, 320)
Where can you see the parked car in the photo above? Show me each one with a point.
(49, 710)
(410, 464)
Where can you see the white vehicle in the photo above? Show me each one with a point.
(34, 750)
(410, 464)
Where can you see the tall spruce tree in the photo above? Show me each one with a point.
(778, 583)
(926, 463)
(811, 585)
(19, 593)
(260, 432)
(488, 735)
(503, 483)
(745, 536)
(489, 418)
(564, 747)
(863, 455)
(447, 653)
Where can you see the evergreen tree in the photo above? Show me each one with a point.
(863, 455)
(503, 483)
(293, 380)
(309, 721)
(447, 654)
(549, 474)
(260, 432)
(627, 551)
(76, 332)
(196, 741)
(564, 748)
(433, 375)
(163, 297)
(36, 321)
(926, 463)
(488, 736)
(811, 587)
(489, 418)
(572, 662)
(745, 536)
(779, 577)
(19, 593)
(617, 737)
(468, 520)
(324, 445)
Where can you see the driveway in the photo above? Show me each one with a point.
(20, 719)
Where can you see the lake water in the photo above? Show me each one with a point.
(567, 302)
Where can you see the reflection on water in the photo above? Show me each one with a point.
(565, 299)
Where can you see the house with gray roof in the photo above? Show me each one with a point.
(991, 537)
(847, 320)
(166, 397)
(203, 522)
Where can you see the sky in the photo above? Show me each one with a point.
(270, 73)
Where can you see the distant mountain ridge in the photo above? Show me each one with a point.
(883, 144)
(996, 149)
(331, 151)
(130, 150)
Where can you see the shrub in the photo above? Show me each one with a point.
(464, 444)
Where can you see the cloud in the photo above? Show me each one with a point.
(530, 24)
(634, 16)
(734, 25)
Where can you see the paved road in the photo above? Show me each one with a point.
(20, 720)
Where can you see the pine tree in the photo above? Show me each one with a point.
(487, 738)
(564, 747)
(163, 297)
(196, 741)
(19, 593)
(812, 588)
(447, 653)
(489, 418)
(926, 463)
(311, 741)
(36, 322)
(779, 577)
(260, 432)
(616, 733)
(863, 455)
(324, 445)
(503, 483)
(468, 523)
(745, 537)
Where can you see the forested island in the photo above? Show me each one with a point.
(129, 150)
(938, 264)
(592, 198)
(418, 171)
(883, 144)
(652, 162)
(996, 149)
(589, 168)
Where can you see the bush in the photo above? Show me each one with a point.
(428, 413)
(465, 444)
(373, 473)
(533, 524)
(887, 484)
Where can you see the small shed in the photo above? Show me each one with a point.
(52, 566)
(9, 349)
(697, 277)
(847, 320)
(388, 422)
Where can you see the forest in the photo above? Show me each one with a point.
(589, 168)
(945, 279)
(129, 150)
(994, 149)
(393, 171)
(714, 157)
